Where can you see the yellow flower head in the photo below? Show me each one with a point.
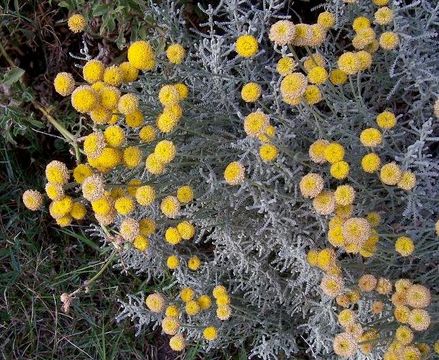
(93, 187)
(129, 229)
(338, 77)
(371, 137)
(109, 96)
(345, 345)
(172, 236)
(177, 342)
(128, 104)
(84, 99)
(100, 115)
(170, 325)
(344, 195)
(348, 63)
(404, 246)
(78, 211)
(407, 181)
(331, 285)
(282, 32)
(93, 71)
(210, 333)
(383, 16)
(205, 302)
(334, 152)
(326, 19)
(251, 92)
(293, 85)
(170, 207)
(317, 75)
(356, 231)
(57, 172)
(419, 319)
(311, 185)
(175, 53)
(32, 199)
(386, 120)
(234, 174)
(194, 263)
(185, 194)
(165, 151)
(360, 22)
(172, 262)
(339, 170)
(64, 83)
(312, 95)
(187, 294)
(60, 208)
(317, 151)
(141, 55)
(246, 46)
(145, 195)
(418, 296)
(324, 203)
(183, 90)
(54, 191)
(113, 75)
(370, 163)
(155, 302)
(76, 23)
(168, 95)
(186, 230)
(147, 134)
(129, 72)
(389, 40)
(285, 65)
(390, 174)
(268, 152)
(256, 123)
(132, 156)
(154, 165)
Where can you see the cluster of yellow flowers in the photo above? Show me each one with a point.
(188, 304)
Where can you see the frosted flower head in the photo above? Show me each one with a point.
(282, 32)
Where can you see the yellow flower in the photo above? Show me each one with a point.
(124, 205)
(390, 174)
(57, 172)
(346, 317)
(141, 243)
(234, 174)
(94, 143)
(256, 123)
(356, 231)
(210, 333)
(317, 75)
(311, 185)
(78, 211)
(147, 134)
(192, 308)
(32, 199)
(386, 120)
(172, 236)
(389, 40)
(370, 163)
(64, 221)
(187, 294)
(165, 151)
(93, 187)
(313, 61)
(418, 296)
(170, 207)
(175, 53)
(185, 194)
(365, 60)
(145, 195)
(218, 291)
(383, 16)
(318, 34)
(285, 65)
(172, 310)
(348, 63)
(334, 152)
(114, 136)
(109, 96)
(338, 77)
(312, 94)
(166, 122)
(360, 22)
(186, 230)
(76, 23)
(141, 55)
(324, 203)
(54, 191)
(317, 151)
(282, 32)
(128, 104)
(60, 208)
(102, 206)
(344, 195)
(129, 229)
(113, 75)
(155, 302)
(339, 170)
(168, 95)
(205, 302)
(194, 263)
(419, 320)
(154, 165)
(380, 2)
(331, 285)
(64, 83)
(183, 90)
(303, 35)
(100, 115)
(129, 72)
(223, 312)
(326, 19)
(312, 257)
(177, 343)
(246, 46)
(132, 156)
(407, 181)
(371, 137)
(84, 99)
(109, 158)
(268, 134)
(251, 92)
(344, 345)
(293, 85)
(173, 262)
(170, 325)
(268, 152)
(93, 71)
(374, 218)
(404, 246)
(134, 119)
